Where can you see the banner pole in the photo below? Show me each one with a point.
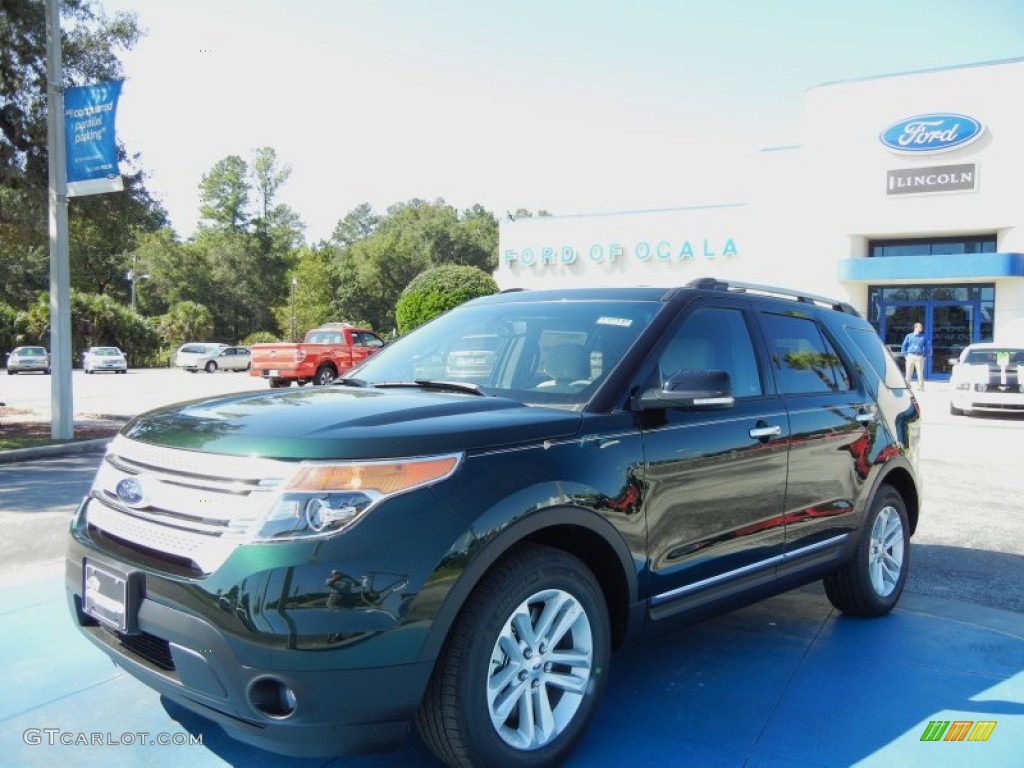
(61, 407)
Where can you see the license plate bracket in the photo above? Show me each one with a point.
(111, 596)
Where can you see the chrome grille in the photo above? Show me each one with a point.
(197, 506)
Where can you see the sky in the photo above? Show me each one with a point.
(572, 106)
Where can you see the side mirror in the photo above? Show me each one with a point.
(691, 389)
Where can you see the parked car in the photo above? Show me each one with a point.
(474, 358)
(27, 359)
(987, 377)
(315, 570)
(104, 359)
(224, 359)
(195, 354)
(325, 353)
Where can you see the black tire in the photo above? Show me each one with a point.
(47, 372)
(955, 411)
(872, 582)
(10, 372)
(455, 718)
(210, 366)
(125, 371)
(279, 383)
(86, 371)
(324, 375)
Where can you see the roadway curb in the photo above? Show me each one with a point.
(47, 451)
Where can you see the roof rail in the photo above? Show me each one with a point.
(712, 284)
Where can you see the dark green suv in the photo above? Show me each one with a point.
(316, 570)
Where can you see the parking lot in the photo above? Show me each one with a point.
(784, 683)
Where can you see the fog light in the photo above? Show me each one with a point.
(272, 698)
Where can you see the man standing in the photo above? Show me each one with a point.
(915, 349)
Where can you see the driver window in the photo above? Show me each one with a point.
(715, 339)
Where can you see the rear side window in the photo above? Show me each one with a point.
(878, 357)
(804, 361)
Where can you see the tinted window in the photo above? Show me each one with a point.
(804, 361)
(881, 362)
(714, 338)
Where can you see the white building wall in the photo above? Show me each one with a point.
(811, 205)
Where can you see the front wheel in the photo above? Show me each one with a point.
(523, 667)
(211, 367)
(872, 582)
(954, 411)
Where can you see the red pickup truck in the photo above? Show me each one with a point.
(327, 351)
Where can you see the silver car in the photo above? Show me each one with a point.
(25, 359)
(223, 359)
(104, 359)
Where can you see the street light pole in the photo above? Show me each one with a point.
(133, 277)
(295, 281)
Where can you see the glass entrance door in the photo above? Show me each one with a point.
(949, 326)
(952, 328)
(898, 320)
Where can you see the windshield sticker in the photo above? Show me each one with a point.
(622, 322)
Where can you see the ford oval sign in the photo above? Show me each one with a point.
(924, 134)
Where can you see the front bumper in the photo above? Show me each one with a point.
(994, 401)
(193, 662)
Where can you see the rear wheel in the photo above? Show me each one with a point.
(279, 383)
(872, 582)
(523, 667)
(211, 366)
(954, 411)
(324, 375)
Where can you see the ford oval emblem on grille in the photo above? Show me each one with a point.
(131, 492)
(924, 134)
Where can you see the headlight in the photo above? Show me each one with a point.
(324, 498)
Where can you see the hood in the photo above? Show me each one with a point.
(338, 422)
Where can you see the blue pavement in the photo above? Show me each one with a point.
(787, 683)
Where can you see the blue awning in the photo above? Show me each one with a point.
(973, 266)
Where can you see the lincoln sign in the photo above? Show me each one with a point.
(939, 178)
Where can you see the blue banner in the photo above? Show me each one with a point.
(89, 114)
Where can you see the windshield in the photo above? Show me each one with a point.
(995, 357)
(544, 352)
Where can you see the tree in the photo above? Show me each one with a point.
(224, 194)
(438, 290)
(88, 52)
(414, 236)
(267, 176)
(358, 224)
(186, 321)
(311, 295)
(101, 227)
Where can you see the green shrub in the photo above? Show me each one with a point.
(259, 337)
(435, 291)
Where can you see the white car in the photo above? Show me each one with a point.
(189, 355)
(104, 359)
(224, 359)
(987, 377)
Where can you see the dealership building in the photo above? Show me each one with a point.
(904, 198)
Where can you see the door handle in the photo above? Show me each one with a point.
(760, 433)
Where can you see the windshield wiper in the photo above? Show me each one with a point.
(444, 386)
